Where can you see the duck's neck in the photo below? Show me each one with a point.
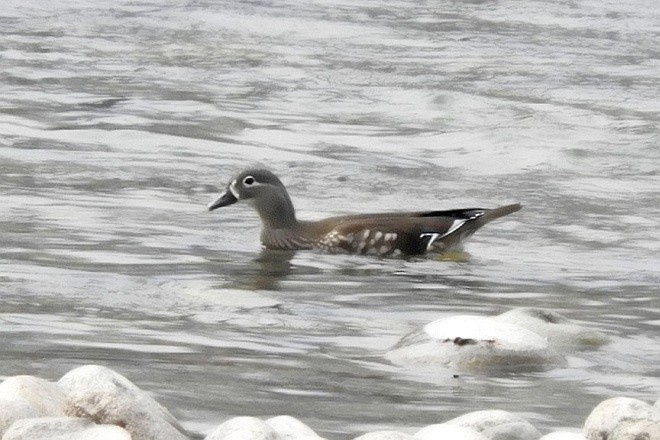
(276, 211)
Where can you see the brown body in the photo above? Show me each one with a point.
(387, 233)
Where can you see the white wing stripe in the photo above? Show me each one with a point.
(436, 235)
(454, 226)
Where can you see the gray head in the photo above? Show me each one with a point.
(267, 194)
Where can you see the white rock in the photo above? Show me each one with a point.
(471, 341)
(47, 398)
(13, 408)
(243, 428)
(497, 425)
(557, 329)
(290, 428)
(608, 415)
(563, 435)
(385, 435)
(636, 430)
(63, 428)
(450, 432)
(107, 397)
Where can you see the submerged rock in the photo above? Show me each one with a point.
(471, 341)
(555, 328)
(623, 418)
(106, 397)
(63, 428)
(497, 425)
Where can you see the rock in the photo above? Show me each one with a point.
(63, 428)
(243, 428)
(47, 398)
(610, 416)
(637, 430)
(107, 397)
(469, 342)
(563, 435)
(557, 329)
(385, 435)
(497, 425)
(443, 431)
(13, 408)
(290, 428)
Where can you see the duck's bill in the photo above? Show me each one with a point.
(225, 199)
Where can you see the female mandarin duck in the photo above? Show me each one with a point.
(384, 234)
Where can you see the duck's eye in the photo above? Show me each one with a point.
(248, 181)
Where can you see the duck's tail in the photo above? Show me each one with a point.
(496, 213)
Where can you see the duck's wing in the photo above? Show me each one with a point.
(406, 233)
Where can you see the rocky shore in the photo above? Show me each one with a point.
(93, 402)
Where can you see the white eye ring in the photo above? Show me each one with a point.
(249, 181)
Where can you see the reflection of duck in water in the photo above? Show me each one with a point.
(385, 234)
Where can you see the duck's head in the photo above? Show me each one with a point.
(266, 192)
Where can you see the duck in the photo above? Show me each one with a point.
(395, 234)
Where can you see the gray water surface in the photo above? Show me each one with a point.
(119, 123)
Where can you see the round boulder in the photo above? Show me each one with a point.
(46, 397)
(63, 428)
(620, 418)
(444, 431)
(106, 397)
(13, 408)
(243, 428)
(290, 428)
(471, 342)
(497, 425)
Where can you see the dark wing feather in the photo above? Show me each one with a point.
(467, 214)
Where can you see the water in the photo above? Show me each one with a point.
(118, 124)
